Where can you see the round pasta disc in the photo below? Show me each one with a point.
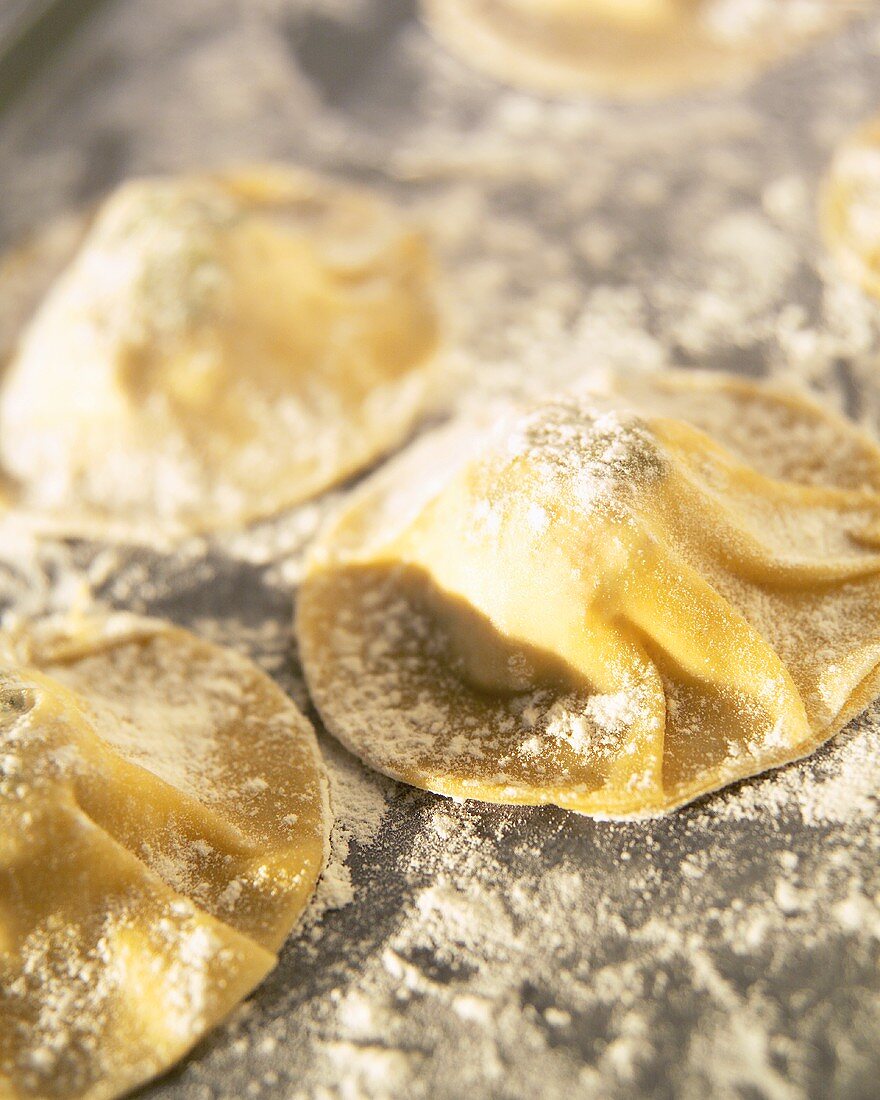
(850, 207)
(163, 823)
(217, 349)
(625, 49)
(615, 602)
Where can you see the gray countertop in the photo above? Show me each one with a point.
(731, 949)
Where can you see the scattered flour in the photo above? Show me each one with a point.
(496, 952)
(358, 801)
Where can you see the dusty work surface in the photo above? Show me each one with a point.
(729, 950)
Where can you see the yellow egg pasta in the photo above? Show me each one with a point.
(625, 49)
(163, 823)
(615, 602)
(851, 207)
(218, 349)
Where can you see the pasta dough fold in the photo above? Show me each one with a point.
(620, 601)
(218, 349)
(162, 826)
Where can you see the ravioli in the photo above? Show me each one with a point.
(851, 207)
(616, 602)
(163, 823)
(218, 349)
(625, 48)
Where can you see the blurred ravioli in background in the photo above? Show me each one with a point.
(219, 348)
(851, 207)
(627, 49)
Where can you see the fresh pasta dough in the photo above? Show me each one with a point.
(626, 48)
(163, 822)
(617, 602)
(219, 348)
(851, 207)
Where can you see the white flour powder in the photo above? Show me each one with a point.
(731, 950)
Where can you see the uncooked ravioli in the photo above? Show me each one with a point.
(851, 207)
(163, 823)
(616, 602)
(626, 48)
(219, 348)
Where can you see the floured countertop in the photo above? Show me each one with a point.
(731, 949)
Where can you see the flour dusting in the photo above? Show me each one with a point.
(728, 950)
